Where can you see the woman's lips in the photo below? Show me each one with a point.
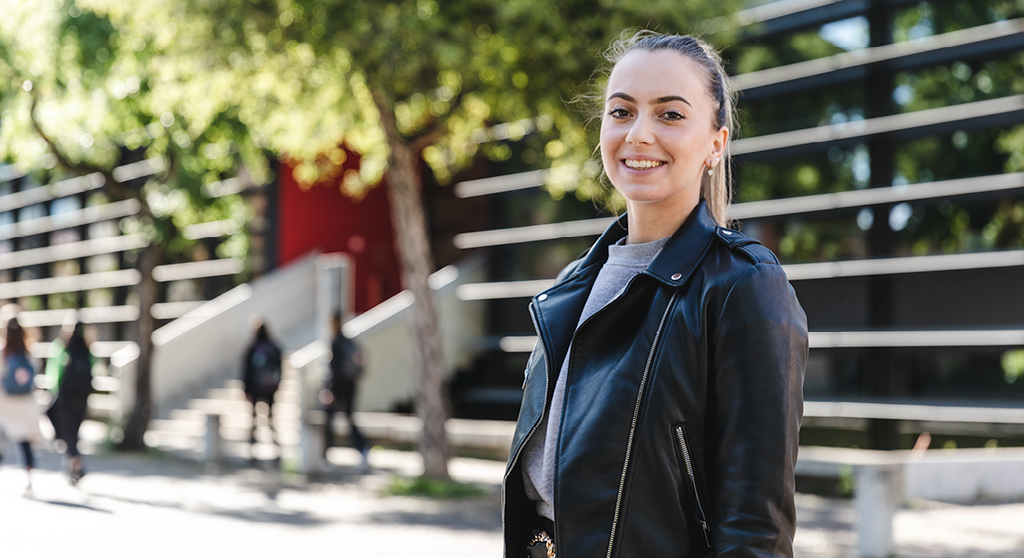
(642, 164)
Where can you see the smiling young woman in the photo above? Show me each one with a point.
(659, 133)
(663, 399)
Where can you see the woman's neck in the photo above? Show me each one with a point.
(650, 221)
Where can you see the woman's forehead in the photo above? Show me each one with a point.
(656, 73)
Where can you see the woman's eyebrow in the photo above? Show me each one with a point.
(657, 101)
(667, 98)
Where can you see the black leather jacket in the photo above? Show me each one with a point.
(682, 407)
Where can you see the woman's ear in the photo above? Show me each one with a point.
(718, 143)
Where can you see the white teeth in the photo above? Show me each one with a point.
(642, 165)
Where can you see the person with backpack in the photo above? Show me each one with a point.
(262, 376)
(69, 371)
(347, 365)
(19, 412)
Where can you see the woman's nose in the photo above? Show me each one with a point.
(639, 132)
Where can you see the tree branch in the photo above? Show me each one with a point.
(112, 184)
(427, 139)
(436, 129)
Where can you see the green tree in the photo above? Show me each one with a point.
(75, 99)
(403, 84)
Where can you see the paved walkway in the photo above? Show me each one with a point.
(129, 506)
(163, 506)
(928, 530)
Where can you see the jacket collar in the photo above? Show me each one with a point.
(678, 258)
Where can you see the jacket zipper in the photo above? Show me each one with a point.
(572, 341)
(636, 415)
(688, 462)
(543, 411)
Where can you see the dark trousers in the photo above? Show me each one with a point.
(269, 399)
(30, 458)
(67, 414)
(26, 452)
(343, 398)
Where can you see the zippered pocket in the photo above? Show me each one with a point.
(691, 476)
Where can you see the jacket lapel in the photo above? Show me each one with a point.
(685, 249)
(557, 309)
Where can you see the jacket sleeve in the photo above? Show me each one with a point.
(755, 405)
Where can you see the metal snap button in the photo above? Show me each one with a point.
(677, 276)
(542, 297)
(726, 232)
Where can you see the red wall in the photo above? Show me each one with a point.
(320, 217)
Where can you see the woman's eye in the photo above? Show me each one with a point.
(618, 113)
(673, 115)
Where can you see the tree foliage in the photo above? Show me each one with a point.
(214, 84)
(306, 77)
(85, 85)
(76, 97)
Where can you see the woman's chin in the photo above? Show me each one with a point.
(657, 197)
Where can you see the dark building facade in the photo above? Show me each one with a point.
(879, 156)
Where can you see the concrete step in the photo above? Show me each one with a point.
(177, 427)
(286, 388)
(231, 426)
(188, 415)
(226, 408)
(221, 406)
(191, 446)
(186, 428)
(226, 393)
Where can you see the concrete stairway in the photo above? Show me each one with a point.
(185, 430)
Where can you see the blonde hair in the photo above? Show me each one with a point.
(716, 188)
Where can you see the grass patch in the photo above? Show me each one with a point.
(291, 466)
(431, 488)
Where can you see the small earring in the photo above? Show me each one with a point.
(710, 172)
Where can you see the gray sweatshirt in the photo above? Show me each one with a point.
(624, 262)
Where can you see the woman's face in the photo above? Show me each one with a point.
(657, 132)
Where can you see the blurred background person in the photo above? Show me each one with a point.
(262, 365)
(347, 364)
(69, 371)
(19, 412)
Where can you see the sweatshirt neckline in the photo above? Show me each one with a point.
(634, 255)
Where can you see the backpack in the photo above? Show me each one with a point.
(20, 375)
(346, 361)
(265, 369)
(77, 377)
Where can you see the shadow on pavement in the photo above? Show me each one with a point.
(261, 514)
(476, 514)
(74, 505)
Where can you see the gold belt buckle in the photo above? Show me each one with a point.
(543, 537)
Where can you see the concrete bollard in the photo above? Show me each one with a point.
(311, 363)
(214, 445)
(876, 498)
(311, 442)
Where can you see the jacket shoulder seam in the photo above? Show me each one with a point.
(750, 247)
(766, 256)
(732, 287)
